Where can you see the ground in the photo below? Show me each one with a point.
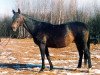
(22, 57)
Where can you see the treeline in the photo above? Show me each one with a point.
(5, 27)
(55, 12)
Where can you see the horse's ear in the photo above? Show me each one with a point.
(13, 11)
(19, 11)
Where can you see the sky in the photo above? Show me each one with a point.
(6, 6)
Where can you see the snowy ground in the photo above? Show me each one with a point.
(22, 57)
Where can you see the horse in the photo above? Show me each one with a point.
(47, 35)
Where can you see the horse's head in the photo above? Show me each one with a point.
(17, 20)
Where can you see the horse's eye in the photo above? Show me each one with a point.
(17, 21)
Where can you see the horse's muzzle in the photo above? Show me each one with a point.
(14, 29)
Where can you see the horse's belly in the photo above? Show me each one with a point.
(61, 41)
(56, 43)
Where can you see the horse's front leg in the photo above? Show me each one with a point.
(42, 51)
(48, 57)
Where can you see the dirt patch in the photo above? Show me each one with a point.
(22, 57)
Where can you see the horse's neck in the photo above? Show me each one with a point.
(30, 25)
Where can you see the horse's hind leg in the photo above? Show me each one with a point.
(87, 56)
(42, 50)
(48, 57)
(79, 45)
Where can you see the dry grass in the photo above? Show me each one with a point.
(22, 57)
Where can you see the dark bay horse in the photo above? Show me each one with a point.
(56, 36)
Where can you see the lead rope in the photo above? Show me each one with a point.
(1, 44)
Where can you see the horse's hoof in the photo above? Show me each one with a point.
(41, 70)
(77, 69)
(51, 68)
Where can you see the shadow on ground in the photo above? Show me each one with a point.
(17, 66)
